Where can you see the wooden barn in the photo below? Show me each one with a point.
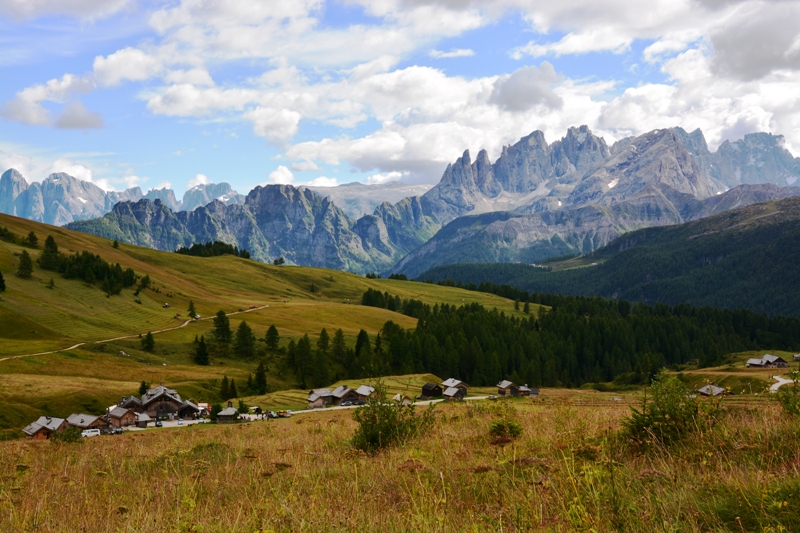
(454, 394)
(364, 392)
(121, 417)
(44, 427)
(430, 390)
(507, 388)
(343, 393)
(456, 383)
(527, 392)
(228, 415)
(84, 421)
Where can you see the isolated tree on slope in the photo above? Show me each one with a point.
(148, 343)
(49, 258)
(2, 283)
(143, 388)
(272, 339)
(245, 345)
(32, 239)
(222, 327)
(224, 390)
(25, 268)
(191, 310)
(201, 352)
(260, 381)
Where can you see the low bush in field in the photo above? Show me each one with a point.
(505, 429)
(382, 424)
(670, 414)
(789, 395)
(69, 436)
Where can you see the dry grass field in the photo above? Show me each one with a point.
(568, 471)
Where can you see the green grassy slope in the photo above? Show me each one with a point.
(745, 258)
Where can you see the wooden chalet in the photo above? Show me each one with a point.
(84, 421)
(228, 415)
(142, 419)
(507, 388)
(430, 390)
(453, 382)
(767, 361)
(161, 402)
(121, 417)
(364, 392)
(711, 390)
(527, 392)
(454, 394)
(319, 398)
(44, 427)
(402, 399)
(796, 357)
(131, 402)
(343, 393)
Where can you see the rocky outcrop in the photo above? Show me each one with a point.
(359, 199)
(167, 197)
(758, 158)
(206, 193)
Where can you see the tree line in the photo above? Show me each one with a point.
(579, 340)
(213, 249)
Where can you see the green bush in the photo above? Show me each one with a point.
(788, 395)
(68, 436)
(382, 424)
(505, 429)
(670, 414)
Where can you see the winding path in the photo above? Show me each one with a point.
(780, 383)
(186, 323)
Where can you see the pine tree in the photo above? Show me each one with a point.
(222, 327)
(527, 308)
(32, 239)
(249, 386)
(50, 257)
(224, 389)
(232, 389)
(148, 343)
(2, 283)
(52, 284)
(245, 345)
(272, 339)
(260, 381)
(304, 361)
(143, 388)
(516, 304)
(89, 277)
(323, 343)
(116, 244)
(25, 268)
(191, 310)
(338, 346)
(201, 352)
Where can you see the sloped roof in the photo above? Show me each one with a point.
(452, 382)
(316, 394)
(429, 386)
(187, 404)
(711, 390)
(755, 362)
(340, 391)
(156, 392)
(452, 391)
(769, 358)
(118, 412)
(130, 400)
(43, 422)
(143, 417)
(365, 390)
(81, 420)
(228, 411)
(504, 384)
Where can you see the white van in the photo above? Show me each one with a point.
(90, 432)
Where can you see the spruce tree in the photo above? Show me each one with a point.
(338, 346)
(249, 386)
(245, 345)
(260, 381)
(25, 267)
(304, 361)
(32, 239)
(191, 310)
(2, 283)
(272, 339)
(89, 277)
(222, 327)
(148, 343)
(323, 343)
(201, 352)
(232, 389)
(527, 308)
(224, 389)
(143, 388)
(50, 257)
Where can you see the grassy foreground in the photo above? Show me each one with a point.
(567, 472)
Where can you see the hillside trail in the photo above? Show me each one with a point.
(135, 335)
(780, 383)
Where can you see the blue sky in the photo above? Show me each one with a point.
(179, 92)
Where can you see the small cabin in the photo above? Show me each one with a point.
(452, 382)
(767, 361)
(319, 398)
(84, 421)
(430, 390)
(142, 419)
(454, 394)
(796, 357)
(228, 415)
(711, 390)
(342, 394)
(121, 417)
(402, 399)
(44, 427)
(364, 392)
(507, 388)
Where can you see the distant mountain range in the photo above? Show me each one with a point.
(537, 200)
(745, 258)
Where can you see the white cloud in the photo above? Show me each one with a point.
(322, 181)
(455, 52)
(162, 185)
(527, 87)
(277, 125)
(128, 64)
(304, 166)
(280, 175)
(27, 106)
(76, 170)
(195, 76)
(379, 179)
(199, 179)
(82, 9)
(76, 116)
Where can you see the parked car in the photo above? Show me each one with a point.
(117, 431)
(94, 432)
(272, 414)
(348, 403)
(181, 422)
(159, 424)
(359, 402)
(492, 397)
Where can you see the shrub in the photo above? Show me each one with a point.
(68, 436)
(669, 415)
(788, 395)
(505, 429)
(382, 424)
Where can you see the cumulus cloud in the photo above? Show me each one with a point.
(76, 170)
(322, 181)
(281, 176)
(277, 125)
(76, 116)
(455, 52)
(27, 106)
(195, 76)
(304, 166)
(128, 64)
(379, 179)
(199, 179)
(527, 87)
(82, 9)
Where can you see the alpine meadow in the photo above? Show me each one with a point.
(389, 266)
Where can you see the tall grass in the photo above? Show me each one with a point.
(568, 471)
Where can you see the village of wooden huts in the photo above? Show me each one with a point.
(157, 403)
(508, 389)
